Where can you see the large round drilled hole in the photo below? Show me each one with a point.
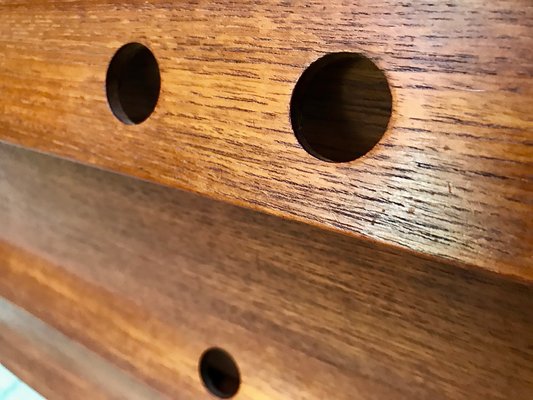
(341, 107)
(133, 83)
(219, 373)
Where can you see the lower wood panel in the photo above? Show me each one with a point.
(149, 277)
(59, 367)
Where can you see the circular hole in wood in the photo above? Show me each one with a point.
(219, 373)
(340, 107)
(133, 83)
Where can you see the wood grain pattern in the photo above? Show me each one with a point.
(452, 177)
(59, 367)
(149, 277)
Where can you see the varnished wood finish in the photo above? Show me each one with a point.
(60, 368)
(149, 277)
(452, 176)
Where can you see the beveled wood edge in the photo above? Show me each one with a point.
(513, 273)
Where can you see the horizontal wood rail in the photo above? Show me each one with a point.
(451, 177)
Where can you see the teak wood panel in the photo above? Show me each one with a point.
(149, 277)
(452, 176)
(58, 367)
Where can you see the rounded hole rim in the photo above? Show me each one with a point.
(120, 59)
(208, 381)
(308, 74)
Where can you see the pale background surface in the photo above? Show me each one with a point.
(12, 388)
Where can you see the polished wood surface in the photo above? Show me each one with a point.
(450, 178)
(149, 277)
(60, 368)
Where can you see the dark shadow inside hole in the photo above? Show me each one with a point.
(341, 107)
(133, 83)
(219, 373)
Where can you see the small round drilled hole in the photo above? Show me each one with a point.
(133, 83)
(340, 107)
(219, 373)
